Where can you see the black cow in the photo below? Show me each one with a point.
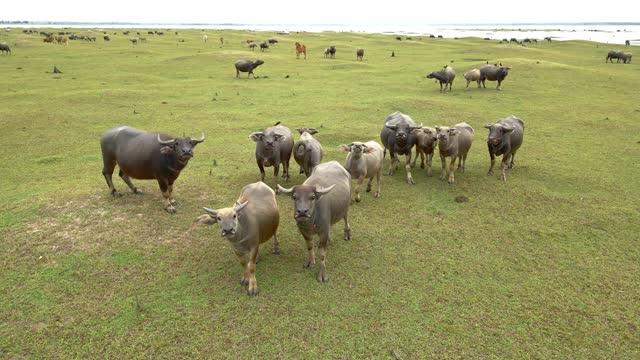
(247, 66)
(145, 155)
(397, 135)
(505, 138)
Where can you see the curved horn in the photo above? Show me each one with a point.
(166, 142)
(240, 206)
(201, 139)
(211, 211)
(321, 191)
(415, 127)
(392, 127)
(284, 190)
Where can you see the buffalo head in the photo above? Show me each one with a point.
(357, 149)
(269, 139)
(303, 130)
(304, 199)
(497, 132)
(444, 134)
(182, 147)
(401, 132)
(227, 218)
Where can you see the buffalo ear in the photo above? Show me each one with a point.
(312, 131)
(369, 149)
(507, 129)
(344, 147)
(488, 126)
(256, 136)
(278, 137)
(167, 150)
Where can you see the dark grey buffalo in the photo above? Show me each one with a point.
(398, 137)
(321, 201)
(146, 156)
(359, 54)
(494, 73)
(614, 55)
(505, 138)
(4, 47)
(307, 151)
(247, 66)
(264, 46)
(273, 147)
(272, 41)
(444, 76)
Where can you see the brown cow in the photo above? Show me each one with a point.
(301, 49)
(250, 222)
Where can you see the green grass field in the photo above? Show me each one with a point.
(545, 265)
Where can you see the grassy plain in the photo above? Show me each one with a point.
(545, 265)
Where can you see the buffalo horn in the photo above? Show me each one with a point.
(166, 142)
(201, 139)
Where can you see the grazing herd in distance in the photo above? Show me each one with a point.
(323, 199)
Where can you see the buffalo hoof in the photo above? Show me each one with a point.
(503, 177)
(308, 265)
(252, 292)
(421, 166)
(138, 192)
(377, 194)
(490, 172)
(347, 235)
(244, 282)
(368, 188)
(116, 193)
(410, 181)
(170, 209)
(358, 198)
(323, 279)
(460, 169)
(451, 181)
(275, 251)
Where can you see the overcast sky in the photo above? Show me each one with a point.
(322, 12)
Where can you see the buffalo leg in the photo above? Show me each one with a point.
(285, 170)
(261, 167)
(347, 228)
(499, 83)
(311, 259)
(171, 198)
(237, 73)
(407, 167)
(322, 256)
(251, 268)
(393, 158)
(369, 184)
(243, 259)
(377, 193)
(452, 164)
(357, 190)
(107, 172)
(276, 245)
(443, 173)
(164, 187)
(429, 159)
(512, 162)
(493, 162)
(503, 166)
(128, 181)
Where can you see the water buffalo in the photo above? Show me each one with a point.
(250, 222)
(263, 46)
(146, 156)
(273, 147)
(614, 55)
(321, 201)
(397, 136)
(4, 47)
(301, 49)
(454, 142)
(247, 66)
(444, 76)
(364, 161)
(472, 75)
(626, 57)
(330, 52)
(272, 41)
(307, 151)
(494, 73)
(426, 142)
(505, 138)
(359, 54)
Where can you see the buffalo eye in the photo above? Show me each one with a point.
(235, 216)
(312, 197)
(219, 218)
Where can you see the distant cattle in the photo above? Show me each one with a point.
(614, 55)
(494, 73)
(359, 54)
(272, 41)
(627, 43)
(444, 76)
(472, 75)
(301, 49)
(247, 66)
(253, 46)
(205, 38)
(134, 41)
(4, 47)
(106, 38)
(331, 52)
(49, 39)
(263, 46)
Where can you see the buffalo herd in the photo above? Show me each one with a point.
(323, 199)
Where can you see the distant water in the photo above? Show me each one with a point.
(611, 33)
